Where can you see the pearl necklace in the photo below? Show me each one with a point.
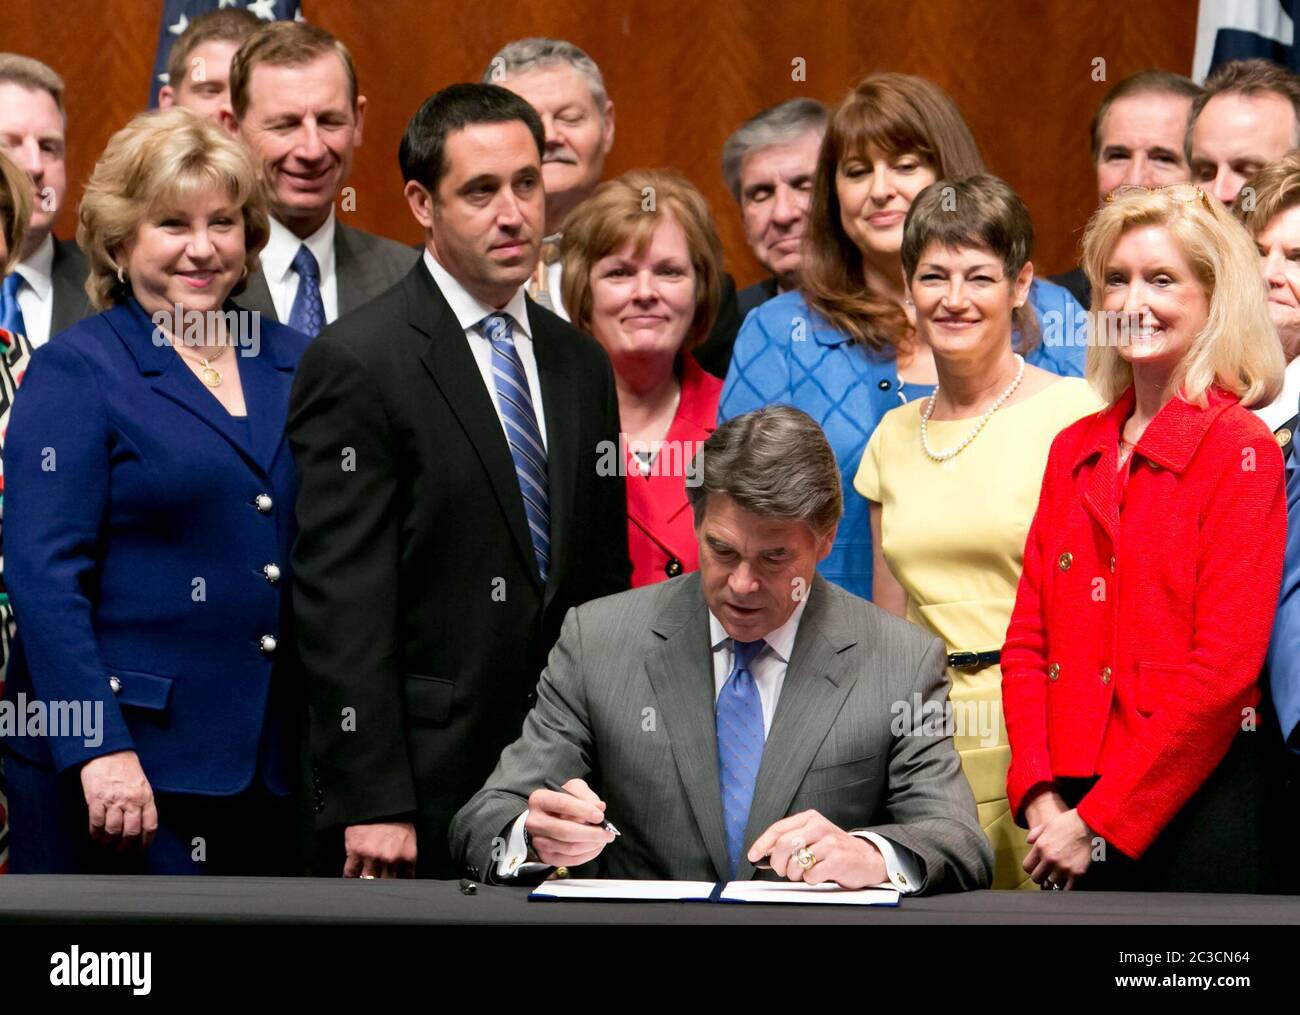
(943, 456)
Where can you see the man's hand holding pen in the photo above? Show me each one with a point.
(566, 825)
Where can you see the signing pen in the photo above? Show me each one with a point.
(555, 787)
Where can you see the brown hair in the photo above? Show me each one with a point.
(229, 25)
(1276, 188)
(979, 211)
(1247, 77)
(15, 209)
(631, 208)
(157, 158)
(284, 44)
(899, 114)
(31, 74)
(775, 462)
(1145, 82)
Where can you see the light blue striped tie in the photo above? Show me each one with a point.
(739, 715)
(515, 402)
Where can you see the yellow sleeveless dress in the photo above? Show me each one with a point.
(953, 534)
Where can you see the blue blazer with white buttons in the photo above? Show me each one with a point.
(147, 546)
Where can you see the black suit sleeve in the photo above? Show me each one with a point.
(714, 353)
(612, 571)
(346, 587)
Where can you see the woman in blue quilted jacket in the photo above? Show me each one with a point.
(842, 347)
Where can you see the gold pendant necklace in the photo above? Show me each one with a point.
(211, 375)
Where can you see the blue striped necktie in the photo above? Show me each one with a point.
(308, 311)
(11, 314)
(739, 715)
(515, 403)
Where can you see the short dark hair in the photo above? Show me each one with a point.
(422, 154)
(1144, 82)
(975, 211)
(1256, 76)
(231, 25)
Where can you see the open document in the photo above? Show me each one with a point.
(612, 890)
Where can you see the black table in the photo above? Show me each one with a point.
(199, 900)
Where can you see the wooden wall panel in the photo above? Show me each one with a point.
(683, 75)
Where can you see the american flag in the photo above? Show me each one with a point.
(177, 14)
(1241, 29)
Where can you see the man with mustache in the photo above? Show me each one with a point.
(566, 88)
(294, 101)
(447, 437)
(46, 293)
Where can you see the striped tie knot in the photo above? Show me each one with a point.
(497, 328)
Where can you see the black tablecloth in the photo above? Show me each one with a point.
(77, 899)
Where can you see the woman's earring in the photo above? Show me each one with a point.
(121, 274)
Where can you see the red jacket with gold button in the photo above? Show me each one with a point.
(661, 526)
(1144, 610)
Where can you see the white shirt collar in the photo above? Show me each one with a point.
(38, 270)
(282, 246)
(1287, 403)
(470, 310)
(780, 641)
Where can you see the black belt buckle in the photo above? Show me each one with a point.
(973, 660)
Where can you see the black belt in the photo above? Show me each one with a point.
(973, 660)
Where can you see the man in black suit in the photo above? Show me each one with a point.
(294, 101)
(50, 280)
(769, 164)
(449, 438)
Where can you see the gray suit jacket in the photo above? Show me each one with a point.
(366, 265)
(626, 702)
(68, 272)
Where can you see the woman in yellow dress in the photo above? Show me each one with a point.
(953, 479)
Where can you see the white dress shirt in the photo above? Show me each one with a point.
(36, 296)
(469, 312)
(768, 670)
(277, 265)
(554, 274)
(1286, 404)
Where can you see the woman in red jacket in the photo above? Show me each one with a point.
(642, 273)
(1152, 569)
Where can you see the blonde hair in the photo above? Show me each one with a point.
(1237, 349)
(15, 210)
(617, 212)
(1276, 188)
(156, 160)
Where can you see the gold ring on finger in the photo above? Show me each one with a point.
(805, 858)
(367, 877)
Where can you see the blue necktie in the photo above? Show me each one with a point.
(308, 312)
(739, 715)
(11, 314)
(515, 402)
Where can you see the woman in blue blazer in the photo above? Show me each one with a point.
(841, 348)
(149, 517)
